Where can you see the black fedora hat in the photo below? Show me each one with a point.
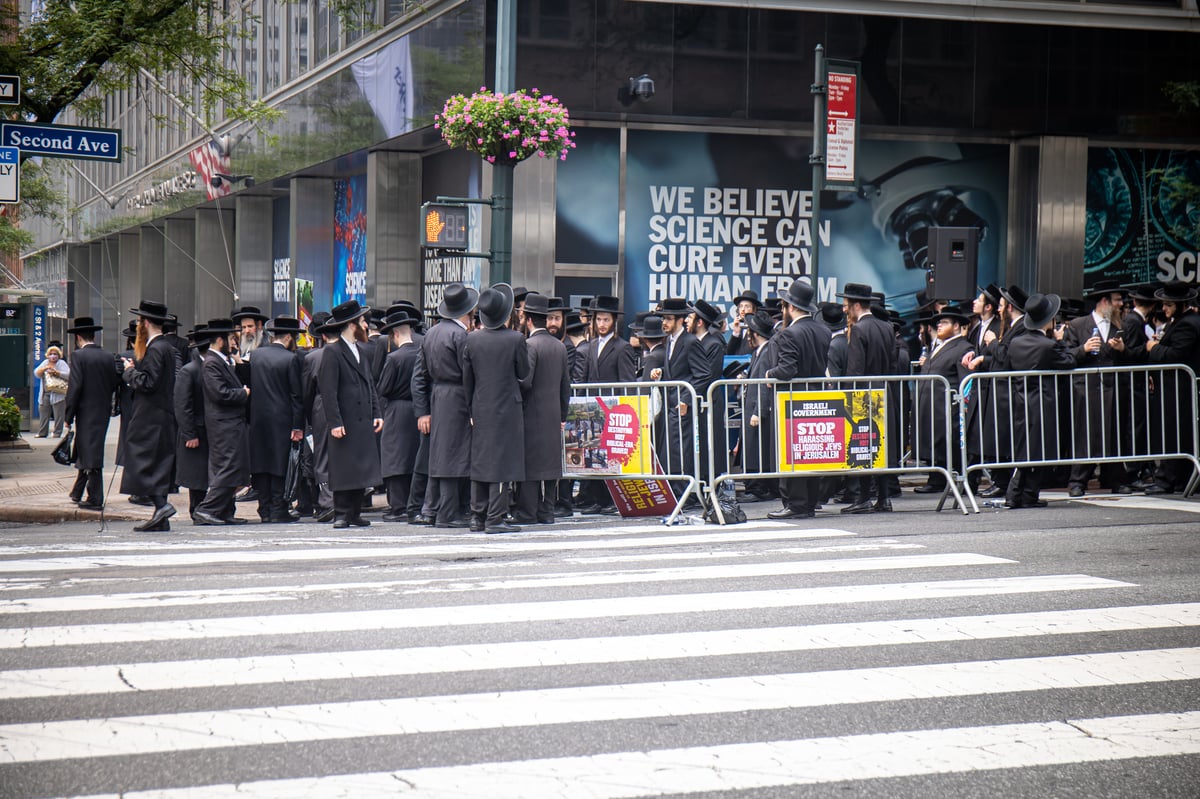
(1177, 291)
(993, 293)
(858, 292)
(398, 318)
(773, 306)
(833, 316)
(409, 304)
(1040, 310)
(457, 301)
(520, 293)
(283, 325)
(1103, 288)
(955, 313)
(495, 306)
(1071, 308)
(154, 311)
(749, 295)
(652, 328)
(605, 303)
(219, 327)
(800, 295)
(197, 333)
(1016, 296)
(761, 324)
(537, 304)
(708, 312)
(319, 320)
(84, 324)
(674, 306)
(1140, 291)
(375, 317)
(248, 312)
(130, 331)
(573, 324)
(345, 313)
(556, 304)
(585, 301)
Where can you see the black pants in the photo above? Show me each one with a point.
(91, 480)
(1111, 475)
(218, 501)
(398, 486)
(270, 495)
(195, 497)
(801, 494)
(536, 500)
(1024, 486)
(347, 504)
(447, 498)
(416, 494)
(489, 501)
(860, 488)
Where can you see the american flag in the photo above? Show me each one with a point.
(209, 160)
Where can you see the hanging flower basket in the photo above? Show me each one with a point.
(507, 128)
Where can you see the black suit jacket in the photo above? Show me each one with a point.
(617, 363)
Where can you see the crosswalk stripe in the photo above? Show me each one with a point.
(156, 599)
(467, 546)
(747, 766)
(361, 664)
(175, 732)
(503, 613)
(732, 554)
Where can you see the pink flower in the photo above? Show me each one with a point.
(512, 153)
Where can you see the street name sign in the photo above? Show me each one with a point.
(10, 90)
(62, 141)
(10, 175)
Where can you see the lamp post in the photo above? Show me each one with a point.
(502, 174)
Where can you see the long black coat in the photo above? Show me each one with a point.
(547, 391)
(350, 401)
(94, 378)
(929, 410)
(401, 440)
(450, 423)
(1035, 399)
(1093, 396)
(191, 465)
(494, 364)
(989, 406)
(872, 351)
(124, 403)
(838, 346)
(616, 363)
(758, 399)
(150, 440)
(680, 362)
(799, 351)
(1179, 344)
(314, 412)
(579, 359)
(225, 401)
(276, 408)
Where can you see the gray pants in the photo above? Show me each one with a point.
(47, 408)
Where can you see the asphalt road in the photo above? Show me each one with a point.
(1015, 653)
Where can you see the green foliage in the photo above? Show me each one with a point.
(39, 197)
(10, 419)
(1184, 95)
(507, 126)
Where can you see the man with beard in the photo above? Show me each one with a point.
(225, 400)
(401, 441)
(249, 320)
(441, 405)
(757, 441)
(353, 414)
(547, 391)
(680, 363)
(609, 359)
(314, 412)
(191, 448)
(150, 440)
(495, 362)
(1179, 344)
(557, 324)
(745, 306)
(802, 352)
(929, 417)
(94, 378)
(276, 416)
(706, 370)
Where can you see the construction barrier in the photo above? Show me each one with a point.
(643, 435)
(1083, 417)
(833, 427)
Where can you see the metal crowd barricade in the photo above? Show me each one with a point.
(920, 420)
(674, 437)
(1111, 415)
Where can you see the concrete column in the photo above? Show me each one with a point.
(129, 280)
(96, 270)
(393, 228)
(152, 244)
(216, 276)
(312, 236)
(534, 185)
(252, 251)
(110, 284)
(79, 273)
(179, 269)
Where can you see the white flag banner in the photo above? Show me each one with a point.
(385, 79)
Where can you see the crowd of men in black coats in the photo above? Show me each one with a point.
(459, 424)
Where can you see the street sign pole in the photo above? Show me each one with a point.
(502, 174)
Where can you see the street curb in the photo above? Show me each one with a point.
(26, 515)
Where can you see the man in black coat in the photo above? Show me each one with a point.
(929, 409)
(125, 395)
(191, 449)
(225, 400)
(608, 359)
(708, 366)
(400, 441)
(547, 391)
(757, 441)
(94, 378)
(745, 305)
(1133, 389)
(802, 352)
(352, 413)
(150, 440)
(495, 362)
(314, 414)
(871, 352)
(1178, 344)
(442, 408)
(680, 363)
(276, 416)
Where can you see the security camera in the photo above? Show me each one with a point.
(641, 88)
(215, 181)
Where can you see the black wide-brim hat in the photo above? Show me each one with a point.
(652, 328)
(1103, 288)
(1177, 291)
(573, 324)
(1143, 291)
(84, 324)
(800, 294)
(708, 312)
(537, 304)
(248, 312)
(203, 334)
(858, 292)
(761, 324)
(1016, 297)
(955, 313)
(495, 306)
(347, 312)
(605, 304)
(749, 295)
(154, 311)
(457, 301)
(284, 324)
(674, 306)
(1040, 310)
(404, 316)
(130, 331)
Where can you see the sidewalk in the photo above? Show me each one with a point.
(33, 488)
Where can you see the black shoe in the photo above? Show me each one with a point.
(502, 528)
(359, 521)
(589, 510)
(456, 524)
(341, 524)
(137, 499)
(476, 525)
(884, 506)
(249, 495)
(394, 517)
(545, 520)
(161, 527)
(1156, 490)
(420, 521)
(1074, 492)
(785, 513)
(929, 488)
(200, 517)
(991, 491)
(563, 513)
(163, 513)
(91, 506)
(74, 498)
(1124, 489)
(324, 516)
(288, 519)
(1141, 485)
(520, 520)
(235, 521)
(865, 506)
(611, 510)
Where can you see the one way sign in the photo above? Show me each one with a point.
(10, 175)
(10, 90)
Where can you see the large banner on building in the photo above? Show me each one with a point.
(350, 239)
(711, 215)
(831, 430)
(1143, 215)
